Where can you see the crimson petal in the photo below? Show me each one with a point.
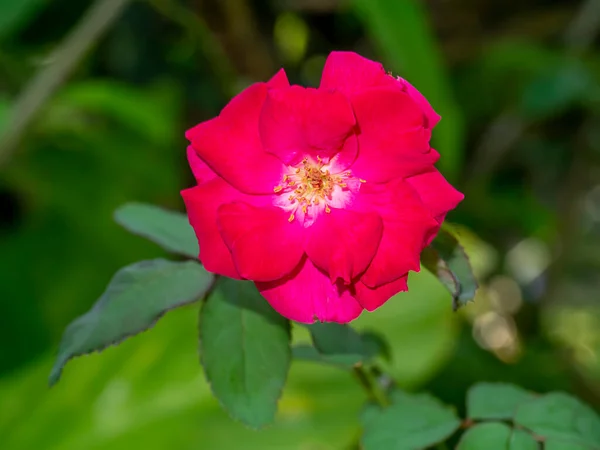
(199, 168)
(202, 203)
(406, 225)
(307, 295)
(392, 140)
(349, 73)
(264, 245)
(373, 298)
(299, 121)
(231, 146)
(344, 242)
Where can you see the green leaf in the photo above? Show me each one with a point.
(555, 444)
(495, 400)
(423, 333)
(411, 422)
(562, 417)
(376, 344)
(446, 259)
(343, 341)
(245, 351)
(309, 353)
(136, 297)
(169, 229)
(488, 436)
(147, 393)
(402, 31)
(522, 440)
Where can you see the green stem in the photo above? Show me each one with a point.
(373, 388)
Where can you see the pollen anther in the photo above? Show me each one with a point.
(311, 187)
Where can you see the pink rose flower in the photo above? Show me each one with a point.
(325, 197)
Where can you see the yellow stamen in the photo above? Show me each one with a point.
(311, 184)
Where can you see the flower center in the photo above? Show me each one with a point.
(311, 187)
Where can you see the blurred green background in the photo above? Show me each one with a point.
(94, 100)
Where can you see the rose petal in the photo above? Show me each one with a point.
(264, 245)
(279, 80)
(436, 193)
(406, 225)
(432, 118)
(346, 156)
(299, 121)
(199, 168)
(392, 141)
(307, 294)
(343, 242)
(373, 298)
(349, 73)
(201, 203)
(230, 144)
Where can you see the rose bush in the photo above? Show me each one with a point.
(326, 197)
